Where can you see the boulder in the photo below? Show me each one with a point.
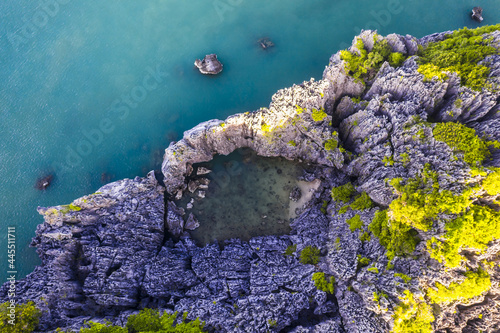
(477, 14)
(209, 65)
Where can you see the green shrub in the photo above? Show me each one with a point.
(365, 237)
(331, 144)
(365, 64)
(474, 285)
(322, 283)
(318, 115)
(398, 238)
(363, 261)
(459, 52)
(492, 182)
(355, 222)
(149, 320)
(309, 255)
(107, 327)
(420, 201)
(290, 250)
(362, 202)
(342, 193)
(373, 269)
(26, 319)
(472, 230)
(462, 139)
(405, 277)
(292, 143)
(412, 316)
(378, 295)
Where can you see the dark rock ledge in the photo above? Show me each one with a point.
(115, 253)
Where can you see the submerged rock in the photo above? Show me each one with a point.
(265, 43)
(296, 194)
(209, 65)
(44, 182)
(191, 223)
(477, 14)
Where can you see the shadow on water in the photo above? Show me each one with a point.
(248, 196)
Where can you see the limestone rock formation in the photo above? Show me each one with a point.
(107, 255)
(477, 14)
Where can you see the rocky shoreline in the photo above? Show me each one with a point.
(123, 248)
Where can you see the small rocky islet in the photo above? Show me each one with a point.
(402, 235)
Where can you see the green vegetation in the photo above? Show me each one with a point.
(292, 143)
(290, 250)
(492, 182)
(472, 230)
(474, 285)
(365, 237)
(396, 237)
(405, 277)
(364, 64)
(343, 209)
(388, 160)
(309, 255)
(412, 315)
(420, 200)
(265, 128)
(372, 269)
(378, 295)
(318, 115)
(322, 283)
(27, 316)
(331, 144)
(362, 202)
(272, 323)
(70, 208)
(343, 193)
(405, 159)
(462, 139)
(148, 321)
(355, 222)
(363, 261)
(459, 52)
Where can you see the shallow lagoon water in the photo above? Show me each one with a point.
(248, 196)
(66, 79)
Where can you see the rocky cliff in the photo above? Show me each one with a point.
(374, 139)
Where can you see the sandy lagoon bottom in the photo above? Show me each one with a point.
(248, 196)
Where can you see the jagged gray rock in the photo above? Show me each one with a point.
(209, 65)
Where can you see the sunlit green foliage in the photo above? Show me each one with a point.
(321, 283)
(492, 182)
(292, 143)
(26, 318)
(459, 52)
(148, 321)
(474, 285)
(364, 237)
(343, 192)
(362, 202)
(363, 64)
(420, 201)
(372, 269)
(396, 237)
(462, 139)
(473, 230)
(107, 327)
(309, 255)
(363, 261)
(378, 295)
(412, 315)
(318, 115)
(405, 277)
(355, 222)
(331, 144)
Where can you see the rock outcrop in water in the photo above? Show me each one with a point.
(107, 255)
(209, 65)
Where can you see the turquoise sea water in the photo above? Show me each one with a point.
(93, 91)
